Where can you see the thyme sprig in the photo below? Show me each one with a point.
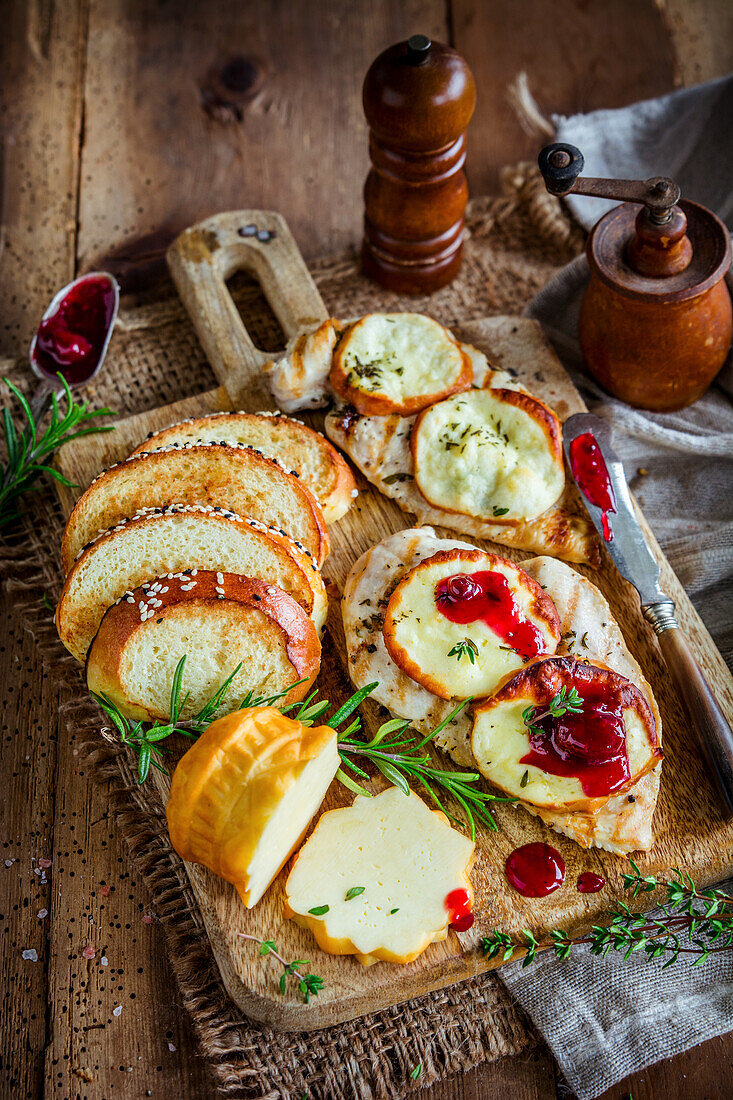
(28, 448)
(310, 985)
(466, 648)
(565, 702)
(692, 921)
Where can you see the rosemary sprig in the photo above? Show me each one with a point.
(704, 917)
(310, 985)
(27, 450)
(564, 702)
(145, 738)
(466, 648)
(399, 757)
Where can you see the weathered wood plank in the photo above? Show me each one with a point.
(28, 736)
(42, 62)
(578, 56)
(186, 146)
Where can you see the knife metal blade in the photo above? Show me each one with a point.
(628, 547)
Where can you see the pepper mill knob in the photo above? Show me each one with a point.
(418, 98)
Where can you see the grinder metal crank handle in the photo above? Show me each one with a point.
(561, 165)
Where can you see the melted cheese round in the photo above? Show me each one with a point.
(398, 362)
(458, 660)
(500, 737)
(378, 873)
(494, 454)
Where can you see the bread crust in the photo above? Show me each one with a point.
(124, 620)
(540, 413)
(541, 608)
(541, 680)
(313, 599)
(335, 495)
(369, 404)
(103, 504)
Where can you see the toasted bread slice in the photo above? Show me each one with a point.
(218, 621)
(380, 447)
(317, 462)
(403, 857)
(175, 540)
(492, 454)
(575, 762)
(465, 642)
(398, 362)
(241, 479)
(299, 378)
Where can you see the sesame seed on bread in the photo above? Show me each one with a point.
(216, 620)
(319, 465)
(241, 479)
(161, 541)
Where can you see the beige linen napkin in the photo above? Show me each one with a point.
(607, 1018)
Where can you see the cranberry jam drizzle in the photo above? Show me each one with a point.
(590, 883)
(71, 340)
(460, 915)
(590, 746)
(535, 870)
(485, 595)
(590, 472)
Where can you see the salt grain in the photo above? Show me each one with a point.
(31, 954)
(42, 913)
(117, 1011)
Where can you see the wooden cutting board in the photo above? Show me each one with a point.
(691, 831)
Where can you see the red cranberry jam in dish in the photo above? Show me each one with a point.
(564, 735)
(72, 338)
(463, 620)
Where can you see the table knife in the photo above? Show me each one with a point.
(635, 562)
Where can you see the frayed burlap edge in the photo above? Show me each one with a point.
(447, 1031)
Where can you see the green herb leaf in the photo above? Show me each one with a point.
(26, 450)
(353, 892)
(499, 511)
(416, 1071)
(319, 910)
(524, 780)
(466, 648)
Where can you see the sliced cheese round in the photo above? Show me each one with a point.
(494, 454)
(524, 762)
(462, 620)
(398, 362)
(372, 880)
(244, 794)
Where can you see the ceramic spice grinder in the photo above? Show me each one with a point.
(655, 322)
(418, 99)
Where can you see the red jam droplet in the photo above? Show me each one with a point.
(589, 747)
(588, 883)
(535, 870)
(458, 904)
(590, 472)
(486, 596)
(70, 341)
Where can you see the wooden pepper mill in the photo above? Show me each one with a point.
(418, 100)
(656, 320)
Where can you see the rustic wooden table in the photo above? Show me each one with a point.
(123, 122)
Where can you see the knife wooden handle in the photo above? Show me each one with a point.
(714, 732)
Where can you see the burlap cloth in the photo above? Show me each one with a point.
(516, 243)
